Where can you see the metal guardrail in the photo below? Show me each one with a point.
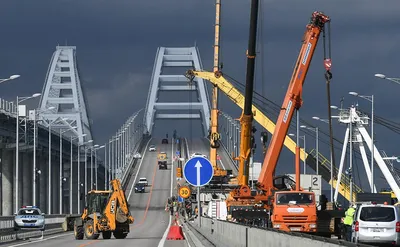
(248, 229)
(7, 232)
(128, 171)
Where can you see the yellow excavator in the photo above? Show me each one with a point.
(106, 212)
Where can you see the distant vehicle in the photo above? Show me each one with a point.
(137, 156)
(162, 161)
(164, 141)
(143, 181)
(29, 217)
(198, 155)
(140, 188)
(152, 148)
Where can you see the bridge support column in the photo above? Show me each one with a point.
(26, 178)
(20, 179)
(7, 166)
(55, 179)
(42, 178)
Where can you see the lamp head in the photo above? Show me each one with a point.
(353, 93)
(316, 118)
(36, 95)
(303, 126)
(382, 76)
(14, 77)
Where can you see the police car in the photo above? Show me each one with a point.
(29, 217)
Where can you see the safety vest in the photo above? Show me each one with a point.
(348, 219)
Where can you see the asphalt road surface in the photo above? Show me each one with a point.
(148, 209)
(203, 146)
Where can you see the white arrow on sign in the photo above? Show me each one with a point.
(198, 166)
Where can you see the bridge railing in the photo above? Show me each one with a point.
(53, 223)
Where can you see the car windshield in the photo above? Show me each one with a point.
(28, 211)
(152, 146)
(294, 198)
(380, 214)
(139, 185)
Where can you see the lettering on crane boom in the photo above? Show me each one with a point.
(285, 117)
(112, 208)
(306, 54)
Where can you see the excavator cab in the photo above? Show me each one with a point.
(97, 202)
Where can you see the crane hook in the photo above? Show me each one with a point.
(328, 75)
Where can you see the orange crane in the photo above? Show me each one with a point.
(302, 217)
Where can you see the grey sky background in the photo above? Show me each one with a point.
(117, 42)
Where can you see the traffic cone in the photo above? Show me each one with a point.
(175, 231)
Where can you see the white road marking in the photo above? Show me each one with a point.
(40, 240)
(138, 170)
(162, 241)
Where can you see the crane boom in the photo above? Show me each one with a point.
(292, 99)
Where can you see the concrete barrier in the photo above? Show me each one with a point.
(223, 233)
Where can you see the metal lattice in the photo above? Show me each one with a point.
(63, 91)
(176, 57)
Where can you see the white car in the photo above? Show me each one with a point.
(198, 155)
(137, 156)
(152, 148)
(143, 181)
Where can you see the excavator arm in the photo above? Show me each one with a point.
(117, 209)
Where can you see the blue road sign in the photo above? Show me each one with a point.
(198, 171)
(180, 199)
(177, 152)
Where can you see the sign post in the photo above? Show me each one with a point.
(198, 172)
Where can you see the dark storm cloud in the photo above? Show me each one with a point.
(117, 42)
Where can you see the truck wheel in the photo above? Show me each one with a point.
(89, 230)
(107, 235)
(78, 232)
(120, 235)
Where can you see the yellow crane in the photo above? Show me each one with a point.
(218, 80)
(219, 174)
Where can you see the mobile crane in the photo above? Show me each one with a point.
(106, 212)
(302, 217)
(265, 195)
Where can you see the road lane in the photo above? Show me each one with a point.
(203, 146)
(151, 220)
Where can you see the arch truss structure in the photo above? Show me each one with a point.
(62, 104)
(181, 58)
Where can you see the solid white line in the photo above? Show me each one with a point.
(40, 240)
(162, 241)
(138, 170)
(222, 164)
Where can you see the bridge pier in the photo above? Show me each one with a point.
(26, 179)
(7, 187)
(42, 181)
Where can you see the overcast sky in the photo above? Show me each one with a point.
(117, 42)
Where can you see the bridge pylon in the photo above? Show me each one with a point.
(198, 108)
(63, 91)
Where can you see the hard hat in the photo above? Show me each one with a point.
(354, 205)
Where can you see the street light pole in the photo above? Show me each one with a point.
(17, 159)
(34, 158)
(316, 144)
(372, 146)
(105, 165)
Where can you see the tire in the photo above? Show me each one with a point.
(107, 235)
(89, 230)
(120, 235)
(78, 232)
